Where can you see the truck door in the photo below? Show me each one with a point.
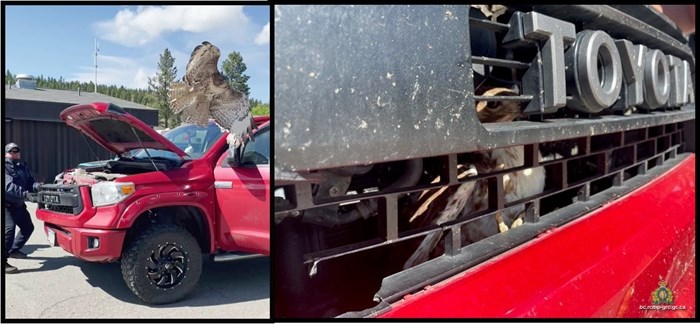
(243, 198)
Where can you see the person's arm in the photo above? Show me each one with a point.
(682, 15)
(13, 192)
(35, 185)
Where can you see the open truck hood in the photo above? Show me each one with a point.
(115, 129)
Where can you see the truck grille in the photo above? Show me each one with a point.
(60, 209)
(64, 199)
(603, 151)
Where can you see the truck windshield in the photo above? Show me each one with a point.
(194, 140)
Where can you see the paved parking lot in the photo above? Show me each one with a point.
(53, 284)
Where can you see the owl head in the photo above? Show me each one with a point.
(501, 110)
(205, 57)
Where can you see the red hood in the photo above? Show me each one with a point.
(112, 127)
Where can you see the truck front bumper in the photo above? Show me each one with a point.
(93, 245)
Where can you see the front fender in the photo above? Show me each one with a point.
(198, 199)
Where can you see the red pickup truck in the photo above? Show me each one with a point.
(163, 203)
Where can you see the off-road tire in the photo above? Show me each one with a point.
(165, 243)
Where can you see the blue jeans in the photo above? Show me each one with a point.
(16, 216)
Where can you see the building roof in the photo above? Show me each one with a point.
(67, 96)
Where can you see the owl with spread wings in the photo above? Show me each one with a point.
(445, 204)
(204, 93)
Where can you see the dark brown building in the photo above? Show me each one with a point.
(31, 119)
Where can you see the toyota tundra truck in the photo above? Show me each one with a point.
(376, 119)
(163, 203)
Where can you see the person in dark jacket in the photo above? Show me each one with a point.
(19, 185)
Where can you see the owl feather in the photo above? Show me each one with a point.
(472, 196)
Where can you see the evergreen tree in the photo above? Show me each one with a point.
(9, 77)
(160, 84)
(261, 110)
(233, 68)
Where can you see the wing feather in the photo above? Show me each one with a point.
(197, 111)
(232, 111)
(180, 97)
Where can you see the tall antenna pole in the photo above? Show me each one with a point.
(97, 50)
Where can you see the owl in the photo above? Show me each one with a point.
(446, 204)
(204, 93)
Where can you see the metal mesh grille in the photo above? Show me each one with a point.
(60, 209)
(69, 193)
(601, 162)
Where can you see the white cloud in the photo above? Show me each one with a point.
(264, 35)
(113, 70)
(141, 78)
(114, 60)
(146, 24)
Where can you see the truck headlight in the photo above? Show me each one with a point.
(109, 193)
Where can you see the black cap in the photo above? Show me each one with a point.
(11, 146)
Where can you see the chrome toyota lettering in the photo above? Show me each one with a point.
(598, 71)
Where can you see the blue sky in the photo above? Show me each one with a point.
(60, 40)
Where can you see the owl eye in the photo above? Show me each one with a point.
(492, 104)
